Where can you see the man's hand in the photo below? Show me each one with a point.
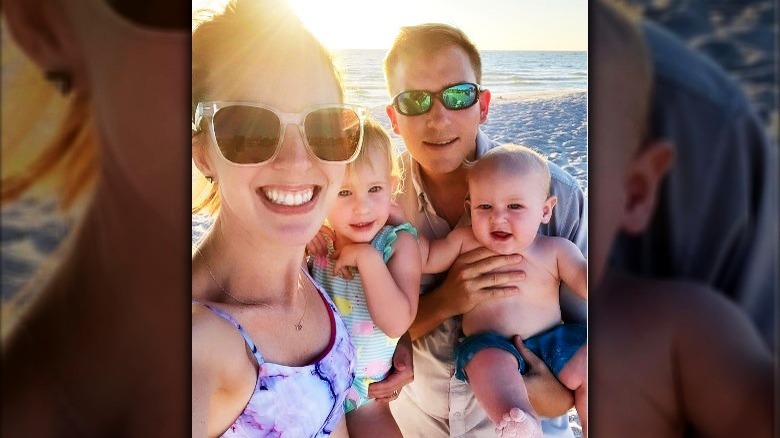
(401, 374)
(472, 280)
(548, 396)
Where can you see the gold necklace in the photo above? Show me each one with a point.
(297, 326)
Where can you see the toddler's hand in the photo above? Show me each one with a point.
(348, 259)
(319, 244)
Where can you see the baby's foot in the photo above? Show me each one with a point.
(518, 424)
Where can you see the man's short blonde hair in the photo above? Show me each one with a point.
(423, 40)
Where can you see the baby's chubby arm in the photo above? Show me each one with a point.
(438, 255)
(391, 290)
(725, 369)
(572, 266)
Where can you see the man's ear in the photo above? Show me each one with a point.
(643, 178)
(484, 105)
(200, 155)
(390, 110)
(547, 208)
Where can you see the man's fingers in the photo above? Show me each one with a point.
(492, 263)
(503, 292)
(526, 353)
(475, 255)
(387, 388)
(499, 279)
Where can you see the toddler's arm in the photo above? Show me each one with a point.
(438, 255)
(391, 290)
(572, 267)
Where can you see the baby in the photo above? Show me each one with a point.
(671, 358)
(509, 197)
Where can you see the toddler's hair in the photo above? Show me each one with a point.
(376, 137)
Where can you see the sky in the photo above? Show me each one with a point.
(491, 24)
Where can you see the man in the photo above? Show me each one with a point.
(440, 60)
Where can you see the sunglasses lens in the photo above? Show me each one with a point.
(246, 135)
(333, 134)
(413, 103)
(459, 96)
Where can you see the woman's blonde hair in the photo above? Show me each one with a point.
(219, 38)
(48, 139)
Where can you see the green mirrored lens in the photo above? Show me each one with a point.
(412, 103)
(459, 96)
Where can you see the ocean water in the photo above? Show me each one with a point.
(555, 126)
(505, 73)
(539, 99)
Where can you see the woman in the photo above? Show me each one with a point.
(270, 355)
(97, 348)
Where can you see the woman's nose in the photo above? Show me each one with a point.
(293, 153)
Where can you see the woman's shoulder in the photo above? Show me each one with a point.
(212, 334)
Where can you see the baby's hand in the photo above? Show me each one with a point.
(319, 244)
(348, 259)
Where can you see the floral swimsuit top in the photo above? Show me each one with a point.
(306, 401)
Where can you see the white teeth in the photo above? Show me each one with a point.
(288, 198)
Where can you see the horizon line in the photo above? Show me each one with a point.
(481, 50)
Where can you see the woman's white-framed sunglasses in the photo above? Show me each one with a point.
(249, 133)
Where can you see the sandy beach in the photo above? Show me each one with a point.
(552, 123)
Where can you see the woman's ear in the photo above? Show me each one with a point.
(643, 178)
(200, 155)
(41, 29)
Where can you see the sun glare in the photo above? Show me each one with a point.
(344, 24)
(505, 25)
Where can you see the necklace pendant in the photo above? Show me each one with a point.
(298, 326)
